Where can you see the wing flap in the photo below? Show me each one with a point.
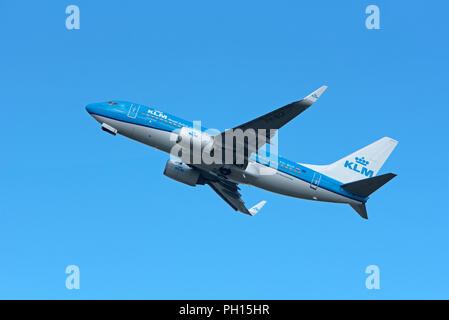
(233, 197)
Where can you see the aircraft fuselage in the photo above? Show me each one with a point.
(159, 129)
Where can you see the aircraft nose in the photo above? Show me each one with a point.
(92, 108)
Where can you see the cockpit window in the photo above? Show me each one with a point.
(112, 103)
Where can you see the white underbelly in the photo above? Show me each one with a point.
(281, 183)
(159, 139)
(256, 174)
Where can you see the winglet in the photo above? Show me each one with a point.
(257, 208)
(315, 95)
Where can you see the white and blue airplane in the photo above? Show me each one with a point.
(350, 180)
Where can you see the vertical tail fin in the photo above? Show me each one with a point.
(364, 163)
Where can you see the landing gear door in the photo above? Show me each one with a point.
(133, 110)
(315, 180)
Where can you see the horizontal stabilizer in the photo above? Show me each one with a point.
(363, 188)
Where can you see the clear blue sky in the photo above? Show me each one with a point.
(72, 194)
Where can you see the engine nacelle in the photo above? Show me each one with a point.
(187, 136)
(182, 173)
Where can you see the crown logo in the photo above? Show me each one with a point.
(362, 161)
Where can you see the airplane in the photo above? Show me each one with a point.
(350, 180)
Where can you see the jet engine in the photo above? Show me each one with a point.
(197, 137)
(182, 173)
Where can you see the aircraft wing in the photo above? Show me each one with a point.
(229, 192)
(271, 122)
